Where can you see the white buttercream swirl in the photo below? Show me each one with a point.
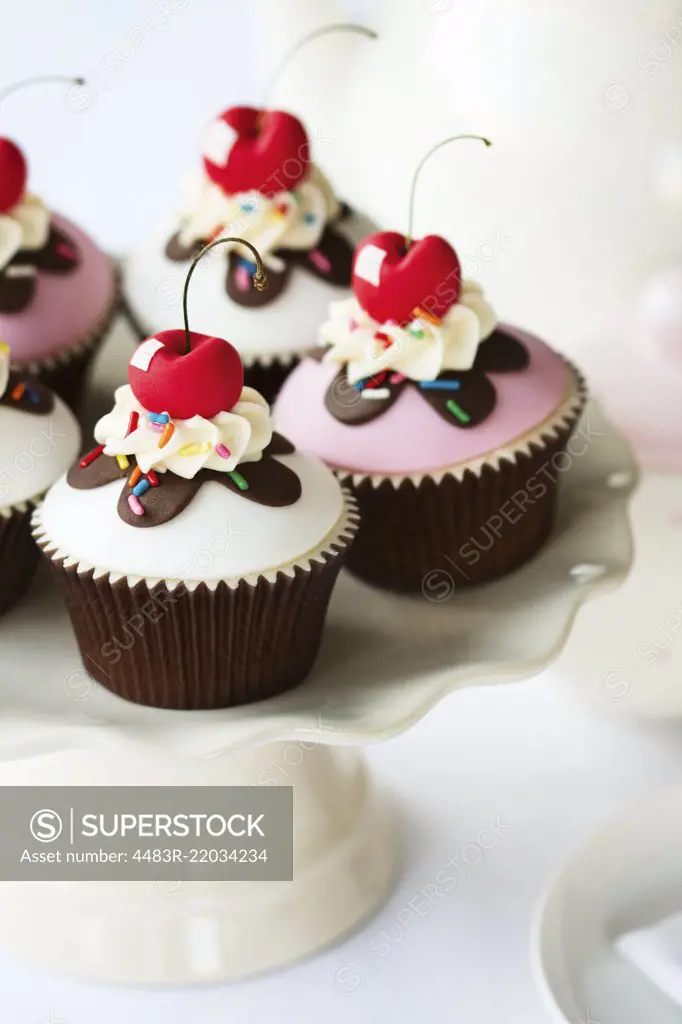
(245, 432)
(288, 220)
(420, 350)
(25, 226)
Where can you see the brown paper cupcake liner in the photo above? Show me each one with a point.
(66, 372)
(19, 555)
(463, 527)
(180, 645)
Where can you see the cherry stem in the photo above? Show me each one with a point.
(260, 280)
(324, 31)
(39, 80)
(439, 145)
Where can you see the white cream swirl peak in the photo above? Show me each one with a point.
(420, 350)
(219, 444)
(289, 219)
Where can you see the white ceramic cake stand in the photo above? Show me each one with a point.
(385, 662)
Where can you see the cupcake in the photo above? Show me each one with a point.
(257, 180)
(39, 438)
(58, 290)
(196, 549)
(451, 429)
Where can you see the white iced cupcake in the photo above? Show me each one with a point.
(257, 181)
(196, 550)
(39, 439)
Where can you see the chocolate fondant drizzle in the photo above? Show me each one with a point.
(18, 280)
(331, 260)
(269, 482)
(27, 396)
(467, 405)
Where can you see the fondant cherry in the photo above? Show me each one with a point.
(395, 278)
(202, 382)
(264, 150)
(13, 169)
(391, 281)
(13, 174)
(188, 374)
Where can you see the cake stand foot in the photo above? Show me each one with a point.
(185, 933)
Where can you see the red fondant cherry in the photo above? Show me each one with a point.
(264, 150)
(391, 280)
(202, 382)
(13, 174)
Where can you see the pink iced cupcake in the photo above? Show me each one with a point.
(452, 430)
(58, 290)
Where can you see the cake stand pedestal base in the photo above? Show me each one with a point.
(184, 933)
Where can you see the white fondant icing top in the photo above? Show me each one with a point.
(34, 451)
(286, 326)
(220, 535)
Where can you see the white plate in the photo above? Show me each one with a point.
(626, 876)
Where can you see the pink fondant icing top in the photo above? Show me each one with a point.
(411, 437)
(66, 307)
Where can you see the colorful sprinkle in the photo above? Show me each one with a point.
(440, 385)
(132, 422)
(322, 262)
(66, 250)
(32, 394)
(122, 462)
(376, 393)
(398, 378)
(135, 477)
(310, 218)
(385, 339)
(282, 209)
(18, 392)
(159, 417)
(353, 324)
(168, 432)
(88, 459)
(416, 332)
(141, 488)
(153, 478)
(135, 505)
(195, 449)
(458, 411)
(223, 451)
(239, 480)
(374, 382)
(243, 279)
(247, 207)
(423, 314)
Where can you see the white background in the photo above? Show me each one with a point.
(573, 184)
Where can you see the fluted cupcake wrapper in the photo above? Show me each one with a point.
(461, 528)
(19, 555)
(187, 646)
(65, 373)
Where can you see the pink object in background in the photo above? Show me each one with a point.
(634, 363)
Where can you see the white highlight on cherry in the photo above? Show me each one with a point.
(368, 263)
(142, 356)
(218, 142)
